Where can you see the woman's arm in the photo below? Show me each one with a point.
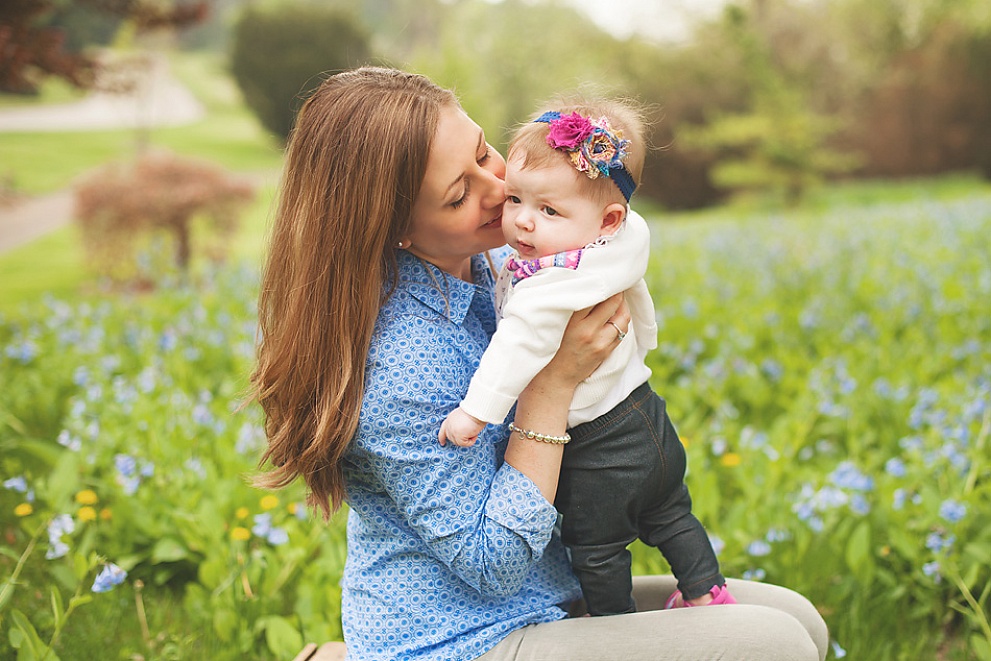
(543, 406)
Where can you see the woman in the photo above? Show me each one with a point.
(376, 306)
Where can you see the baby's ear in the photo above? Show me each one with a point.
(612, 218)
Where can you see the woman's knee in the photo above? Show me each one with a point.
(766, 633)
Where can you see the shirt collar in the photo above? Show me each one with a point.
(441, 292)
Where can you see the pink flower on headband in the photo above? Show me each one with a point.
(569, 131)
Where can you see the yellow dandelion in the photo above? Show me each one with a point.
(730, 459)
(106, 514)
(269, 502)
(684, 441)
(242, 512)
(293, 508)
(240, 534)
(24, 509)
(87, 497)
(86, 513)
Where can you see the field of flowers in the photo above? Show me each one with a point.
(829, 372)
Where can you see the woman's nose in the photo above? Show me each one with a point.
(494, 193)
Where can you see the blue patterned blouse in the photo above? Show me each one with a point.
(449, 549)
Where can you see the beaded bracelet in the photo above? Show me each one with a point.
(543, 438)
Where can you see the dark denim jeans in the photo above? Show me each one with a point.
(622, 478)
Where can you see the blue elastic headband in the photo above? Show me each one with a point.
(592, 145)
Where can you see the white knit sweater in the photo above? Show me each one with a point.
(535, 312)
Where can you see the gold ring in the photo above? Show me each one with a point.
(622, 335)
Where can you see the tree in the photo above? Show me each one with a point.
(32, 48)
(118, 205)
(777, 142)
(280, 53)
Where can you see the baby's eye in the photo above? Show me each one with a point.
(513, 199)
(550, 211)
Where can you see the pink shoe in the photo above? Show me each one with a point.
(720, 596)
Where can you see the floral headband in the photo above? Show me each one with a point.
(593, 146)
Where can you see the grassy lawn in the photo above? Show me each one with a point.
(228, 135)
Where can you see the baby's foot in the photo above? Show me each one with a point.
(717, 596)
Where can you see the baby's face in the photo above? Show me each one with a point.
(544, 212)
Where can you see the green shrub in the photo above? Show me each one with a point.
(278, 56)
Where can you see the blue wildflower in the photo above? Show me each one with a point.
(18, 484)
(772, 369)
(277, 536)
(263, 528)
(59, 526)
(847, 476)
(759, 548)
(859, 505)
(717, 544)
(754, 574)
(952, 510)
(126, 464)
(936, 543)
(110, 577)
(898, 500)
(838, 651)
(931, 569)
(895, 467)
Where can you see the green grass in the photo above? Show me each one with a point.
(52, 90)
(228, 135)
(53, 264)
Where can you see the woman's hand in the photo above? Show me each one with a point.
(543, 406)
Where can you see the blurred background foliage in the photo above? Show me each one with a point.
(765, 95)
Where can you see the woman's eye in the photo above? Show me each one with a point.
(458, 203)
(486, 156)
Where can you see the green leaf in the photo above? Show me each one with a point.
(58, 610)
(28, 644)
(225, 624)
(283, 639)
(858, 547)
(168, 549)
(981, 647)
(63, 481)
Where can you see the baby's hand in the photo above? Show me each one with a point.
(460, 428)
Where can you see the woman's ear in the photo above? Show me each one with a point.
(612, 218)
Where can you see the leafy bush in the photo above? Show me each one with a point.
(280, 52)
(119, 206)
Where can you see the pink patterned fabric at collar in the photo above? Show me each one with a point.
(523, 269)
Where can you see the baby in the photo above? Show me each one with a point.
(570, 175)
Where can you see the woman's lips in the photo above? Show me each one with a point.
(495, 222)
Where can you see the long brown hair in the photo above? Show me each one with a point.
(354, 165)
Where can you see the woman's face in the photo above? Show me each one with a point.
(458, 212)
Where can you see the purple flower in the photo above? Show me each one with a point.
(110, 577)
(569, 131)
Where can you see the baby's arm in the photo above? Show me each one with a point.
(460, 428)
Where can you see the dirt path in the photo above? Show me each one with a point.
(26, 220)
(159, 100)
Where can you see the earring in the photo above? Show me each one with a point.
(401, 246)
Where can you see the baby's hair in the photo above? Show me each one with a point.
(529, 141)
